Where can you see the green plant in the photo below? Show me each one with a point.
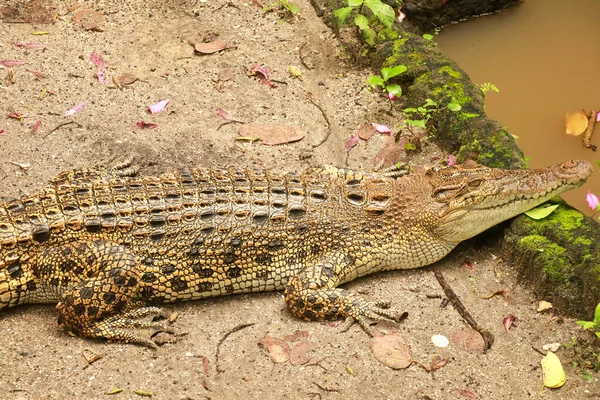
(425, 112)
(487, 86)
(289, 6)
(393, 90)
(384, 13)
(593, 325)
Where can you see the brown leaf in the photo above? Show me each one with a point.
(272, 134)
(125, 79)
(468, 339)
(279, 350)
(576, 123)
(391, 350)
(389, 155)
(297, 336)
(225, 75)
(90, 20)
(298, 355)
(210, 47)
(366, 132)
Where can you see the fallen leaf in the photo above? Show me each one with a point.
(23, 166)
(297, 336)
(264, 72)
(352, 141)
(509, 321)
(225, 75)
(466, 393)
(576, 123)
(90, 20)
(11, 63)
(2, 130)
(75, 109)
(298, 354)
(553, 372)
(382, 128)
(210, 47)
(598, 116)
(37, 74)
(437, 363)
(279, 350)
(227, 115)
(124, 79)
(158, 107)
(35, 126)
(29, 46)
(391, 350)
(366, 132)
(272, 134)
(145, 125)
(295, 72)
(468, 339)
(15, 115)
(544, 306)
(389, 155)
(542, 211)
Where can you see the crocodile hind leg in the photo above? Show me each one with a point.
(312, 295)
(103, 282)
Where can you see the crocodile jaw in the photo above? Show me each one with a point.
(501, 195)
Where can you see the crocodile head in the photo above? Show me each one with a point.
(465, 200)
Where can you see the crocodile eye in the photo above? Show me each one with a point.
(475, 183)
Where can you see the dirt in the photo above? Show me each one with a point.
(152, 42)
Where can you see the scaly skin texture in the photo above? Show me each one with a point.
(108, 246)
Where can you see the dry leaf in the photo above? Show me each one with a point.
(125, 79)
(11, 63)
(279, 350)
(272, 134)
(210, 47)
(352, 141)
(298, 355)
(75, 109)
(158, 107)
(297, 336)
(366, 132)
(391, 350)
(468, 339)
(225, 75)
(389, 155)
(544, 305)
(576, 123)
(145, 125)
(90, 20)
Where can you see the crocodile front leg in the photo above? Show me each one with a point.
(313, 296)
(101, 305)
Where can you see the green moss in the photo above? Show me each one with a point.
(583, 241)
(387, 34)
(556, 266)
(566, 219)
(446, 69)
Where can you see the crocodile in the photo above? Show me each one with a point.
(109, 247)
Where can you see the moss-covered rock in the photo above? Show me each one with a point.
(560, 256)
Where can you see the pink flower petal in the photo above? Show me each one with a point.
(353, 141)
(451, 160)
(598, 116)
(226, 115)
(97, 59)
(158, 107)
(392, 96)
(29, 46)
(592, 200)
(508, 321)
(101, 75)
(401, 16)
(145, 125)
(11, 63)
(382, 128)
(264, 71)
(1, 130)
(75, 109)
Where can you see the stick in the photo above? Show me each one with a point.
(587, 136)
(310, 98)
(235, 329)
(488, 338)
(60, 126)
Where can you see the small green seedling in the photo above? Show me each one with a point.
(425, 111)
(593, 325)
(384, 13)
(487, 86)
(393, 90)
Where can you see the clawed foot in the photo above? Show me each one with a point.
(137, 326)
(363, 312)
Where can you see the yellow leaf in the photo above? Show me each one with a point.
(295, 72)
(576, 123)
(544, 306)
(554, 374)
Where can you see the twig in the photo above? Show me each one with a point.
(235, 329)
(230, 122)
(488, 338)
(326, 389)
(60, 126)
(587, 136)
(301, 57)
(310, 98)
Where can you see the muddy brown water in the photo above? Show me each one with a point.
(543, 55)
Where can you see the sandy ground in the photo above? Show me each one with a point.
(152, 42)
